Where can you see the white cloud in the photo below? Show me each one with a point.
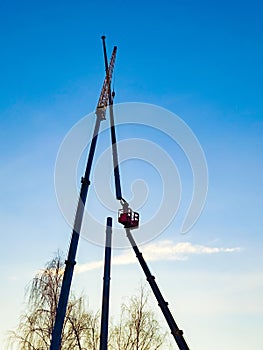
(162, 250)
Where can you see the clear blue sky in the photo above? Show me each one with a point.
(200, 59)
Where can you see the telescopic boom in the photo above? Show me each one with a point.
(130, 220)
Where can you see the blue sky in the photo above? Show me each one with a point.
(201, 60)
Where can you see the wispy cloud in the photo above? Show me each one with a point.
(162, 250)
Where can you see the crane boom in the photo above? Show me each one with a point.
(105, 95)
(85, 183)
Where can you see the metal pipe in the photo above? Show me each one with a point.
(106, 288)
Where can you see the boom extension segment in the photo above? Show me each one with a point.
(176, 332)
(113, 132)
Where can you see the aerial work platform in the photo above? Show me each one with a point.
(126, 216)
(129, 218)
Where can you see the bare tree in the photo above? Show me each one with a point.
(138, 328)
(81, 328)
